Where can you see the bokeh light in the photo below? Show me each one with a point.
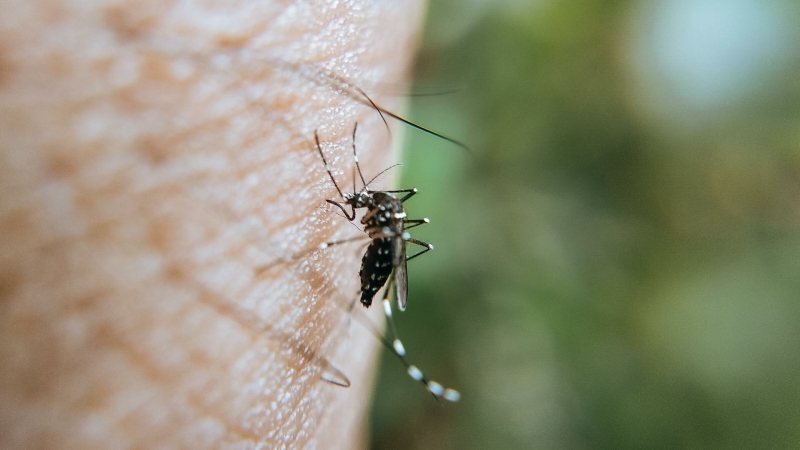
(617, 266)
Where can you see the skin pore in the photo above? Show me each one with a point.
(152, 156)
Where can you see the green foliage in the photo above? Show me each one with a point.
(608, 273)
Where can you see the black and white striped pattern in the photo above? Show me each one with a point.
(383, 265)
(396, 346)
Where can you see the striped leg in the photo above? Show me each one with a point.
(396, 346)
(264, 268)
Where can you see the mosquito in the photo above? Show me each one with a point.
(385, 223)
(384, 264)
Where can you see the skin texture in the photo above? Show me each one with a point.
(154, 155)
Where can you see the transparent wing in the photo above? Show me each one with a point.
(400, 273)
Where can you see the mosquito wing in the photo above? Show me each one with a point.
(400, 272)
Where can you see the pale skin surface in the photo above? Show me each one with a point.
(148, 166)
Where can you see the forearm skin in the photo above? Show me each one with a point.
(153, 156)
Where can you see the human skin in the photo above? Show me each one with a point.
(153, 156)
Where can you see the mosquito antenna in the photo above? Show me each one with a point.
(327, 167)
(355, 158)
(381, 173)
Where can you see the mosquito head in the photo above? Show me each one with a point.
(361, 199)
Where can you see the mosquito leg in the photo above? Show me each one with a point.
(415, 223)
(403, 191)
(428, 247)
(409, 193)
(396, 346)
(329, 244)
(261, 269)
(355, 158)
(325, 161)
(260, 330)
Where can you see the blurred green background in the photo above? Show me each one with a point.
(617, 266)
